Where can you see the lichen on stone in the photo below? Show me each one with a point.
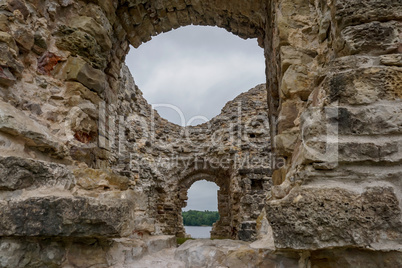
(82, 44)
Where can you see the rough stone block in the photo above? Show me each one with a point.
(93, 28)
(64, 216)
(377, 119)
(359, 150)
(229, 253)
(278, 177)
(158, 243)
(83, 44)
(353, 133)
(289, 114)
(350, 62)
(24, 37)
(79, 95)
(90, 179)
(391, 60)
(47, 62)
(40, 43)
(285, 143)
(19, 173)
(297, 81)
(363, 173)
(311, 218)
(55, 252)
(291, 56)
(15, 122)
(9, 40)
(137, 13)
(76, 69)
(19, 5)
(364, 85)
(8, 59)
(21, 252)
(374, 38)
(358, 12)
(87, 255)
(334, 258)
(6, 77)
(248, 231)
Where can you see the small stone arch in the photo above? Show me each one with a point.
(222, 228)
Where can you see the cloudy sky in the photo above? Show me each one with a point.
(197, 69)
(202, 195)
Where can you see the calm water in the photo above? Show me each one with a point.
(199, 231)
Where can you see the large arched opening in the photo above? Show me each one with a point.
(190, 73)
(141, 21)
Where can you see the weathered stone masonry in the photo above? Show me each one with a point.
(80, 171)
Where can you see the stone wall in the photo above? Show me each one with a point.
(85, 163)
(338, 125)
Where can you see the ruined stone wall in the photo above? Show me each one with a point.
(230, 150)
(82, 169)
(81, 145)
(338, 124)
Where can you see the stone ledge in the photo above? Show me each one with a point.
(345, 150)
(357, 12)
(364, 86)
(317, 218)
(16, 123)
(374, 38)
(329, 174)
(19, 173)
(77, 69)
(64, 217)
(264, 171)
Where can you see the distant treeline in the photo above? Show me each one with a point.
(200, 218)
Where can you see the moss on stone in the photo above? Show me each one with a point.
(82, 44)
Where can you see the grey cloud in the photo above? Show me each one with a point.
(203, 196)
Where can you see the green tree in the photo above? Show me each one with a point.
(200, 218)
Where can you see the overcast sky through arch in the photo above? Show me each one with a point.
(197, 69)
(202, 195)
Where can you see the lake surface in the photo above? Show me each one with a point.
(198, 231)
